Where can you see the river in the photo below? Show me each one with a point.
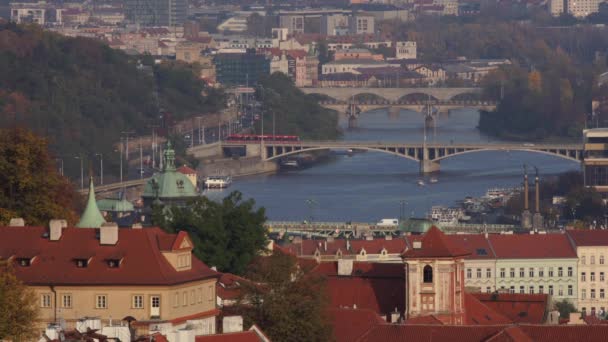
(367, 187)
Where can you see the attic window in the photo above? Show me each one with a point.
(481, 251)
(363, 252)
(180, 183)
(113, 263)
(383, 252)
(82, 263)
(24, 262)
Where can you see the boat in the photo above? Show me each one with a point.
(218, 182)
(446, 216)
(420, 182)
(290, 163)
(433, 180)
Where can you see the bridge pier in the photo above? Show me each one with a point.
(393, 111)
(353, 121)
(429, 166)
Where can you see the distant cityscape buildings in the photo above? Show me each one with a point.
(156, 12)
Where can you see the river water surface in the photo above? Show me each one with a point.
(367, 187)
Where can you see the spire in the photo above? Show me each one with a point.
(91, 217)
(169, 164)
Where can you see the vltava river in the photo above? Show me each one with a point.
(369, 186)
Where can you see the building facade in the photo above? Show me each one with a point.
(241, 68)
(156, 12)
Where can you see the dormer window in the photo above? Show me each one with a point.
(363, 253)
(82, 263)
(113, 263)
(24, 262)
(383, 251)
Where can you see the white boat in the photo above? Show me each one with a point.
(447, 215)
(420, 182)
(218, 182)
(433, 180)
(290, 163)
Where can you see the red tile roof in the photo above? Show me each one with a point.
(348, 324)
(142, 262)
(477, 313)
(435, 245)
(477, 244)
(433, 333)
(565, 333)
(589, 237)
(186, 170)
(243, 336)
(375, 246)
(520, 246)
(510, 334)
(424, 320)
(519, 308)
(200, 315)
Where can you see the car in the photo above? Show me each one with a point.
(529, 144)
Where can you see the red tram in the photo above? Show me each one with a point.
(254, 137)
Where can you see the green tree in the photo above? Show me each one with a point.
(228, 234)
(18, 307)
(565, 308)
(30, 186)
(287, 303)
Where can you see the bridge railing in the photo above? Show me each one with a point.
(393, 144)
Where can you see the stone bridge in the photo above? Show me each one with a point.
(393, 94)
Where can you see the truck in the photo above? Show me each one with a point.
(388, 222)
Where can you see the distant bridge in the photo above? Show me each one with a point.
(428, 155)
(417, 106)
(116, 186)
(393, 94)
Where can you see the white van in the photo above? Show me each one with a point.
(388, 222)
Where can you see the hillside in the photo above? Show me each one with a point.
(81, 94)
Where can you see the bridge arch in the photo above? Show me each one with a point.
(417, 97)
(549, 153)
(466, 96)
(318, 148)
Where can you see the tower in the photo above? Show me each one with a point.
(537, 220)
(434, 276)
(526, 217)
(91, 217)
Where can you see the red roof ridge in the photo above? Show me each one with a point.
(435, 244)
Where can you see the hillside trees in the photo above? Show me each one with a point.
(18, 308)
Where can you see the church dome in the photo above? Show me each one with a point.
(169, 183)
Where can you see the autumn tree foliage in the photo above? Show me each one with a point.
(18, 308)
(30, 186)
(285, 301)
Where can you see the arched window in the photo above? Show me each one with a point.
(428, 274)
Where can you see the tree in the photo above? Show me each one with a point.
(228, 235)
(30, 186)
(18, 307)
(565, 308)
(284, 301)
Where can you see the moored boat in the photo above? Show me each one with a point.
(218, 182)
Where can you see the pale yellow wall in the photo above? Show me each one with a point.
(585, 266)
(482, 282)
(120, 301)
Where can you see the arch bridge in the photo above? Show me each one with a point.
(428, 156)
(392, 94)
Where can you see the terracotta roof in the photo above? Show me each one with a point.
(374, 286)
(510, 334)
(434, 333)
(564, 333)
(477, 244)
(520, 246)
(589, 237)
(519, 308)
(243, 336)
(348, 324)
(435, 245)
(204, 314)
(229, 286)
(477, 313)
(140, 250)
(375, 246)
(186, 170)
(425, 320)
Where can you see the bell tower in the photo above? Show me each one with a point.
(434, 275)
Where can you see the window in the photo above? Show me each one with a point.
(502, 272)
(200, 295)
(551, 290)
(101, 302)
(45, 300)
(570, 290)
(512, 289)
(592, 259)
(602, 295)
(138, 302)
(512, 273)
(113, 263)
(583, 259)
(560, 271)
(592, 294)
(560, 291)
(522, 273)
(583, 294)
(541, 272)
(569, 271)
(601, 259)
(531, 273)
(541, 289)
(488, 289)
(24, 262)
(427, 274)
(192, 297)
(522, 290)
(185, 298)
(469, 273)
(550, 271)
(583, 276)
(82, 263)
(488, 273)
(66, 300)
(592, 276)
(531, 289)
(210, 294)
(479, 273)
(601, 276)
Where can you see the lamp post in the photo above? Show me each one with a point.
(101, 167)
(61, 167)
(402, 204)
(81, 171)
(311, 203)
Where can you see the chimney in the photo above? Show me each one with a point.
(136, 226)
(388, 237)
(526, 205)
(417, 244)
(345, 267)
(347, 244)
(325, 245)
(537, 193)
(56, 228)
(330, 239)
(108, 234)
(17, 222)
(395, 316)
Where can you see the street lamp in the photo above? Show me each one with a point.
(81, 170)
(100, 167)
(311, 203)
(402, 204)
(61, 167)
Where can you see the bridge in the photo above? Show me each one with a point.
(115, 186)
(417, 106)
(428, 155)
(393, 94)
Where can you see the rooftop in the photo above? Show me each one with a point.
(535, 246)
(435, 244)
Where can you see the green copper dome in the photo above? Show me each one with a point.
(169, 183)
(91, 217)
(120, 205)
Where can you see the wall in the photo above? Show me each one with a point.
(484, 281)
(585, 255)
